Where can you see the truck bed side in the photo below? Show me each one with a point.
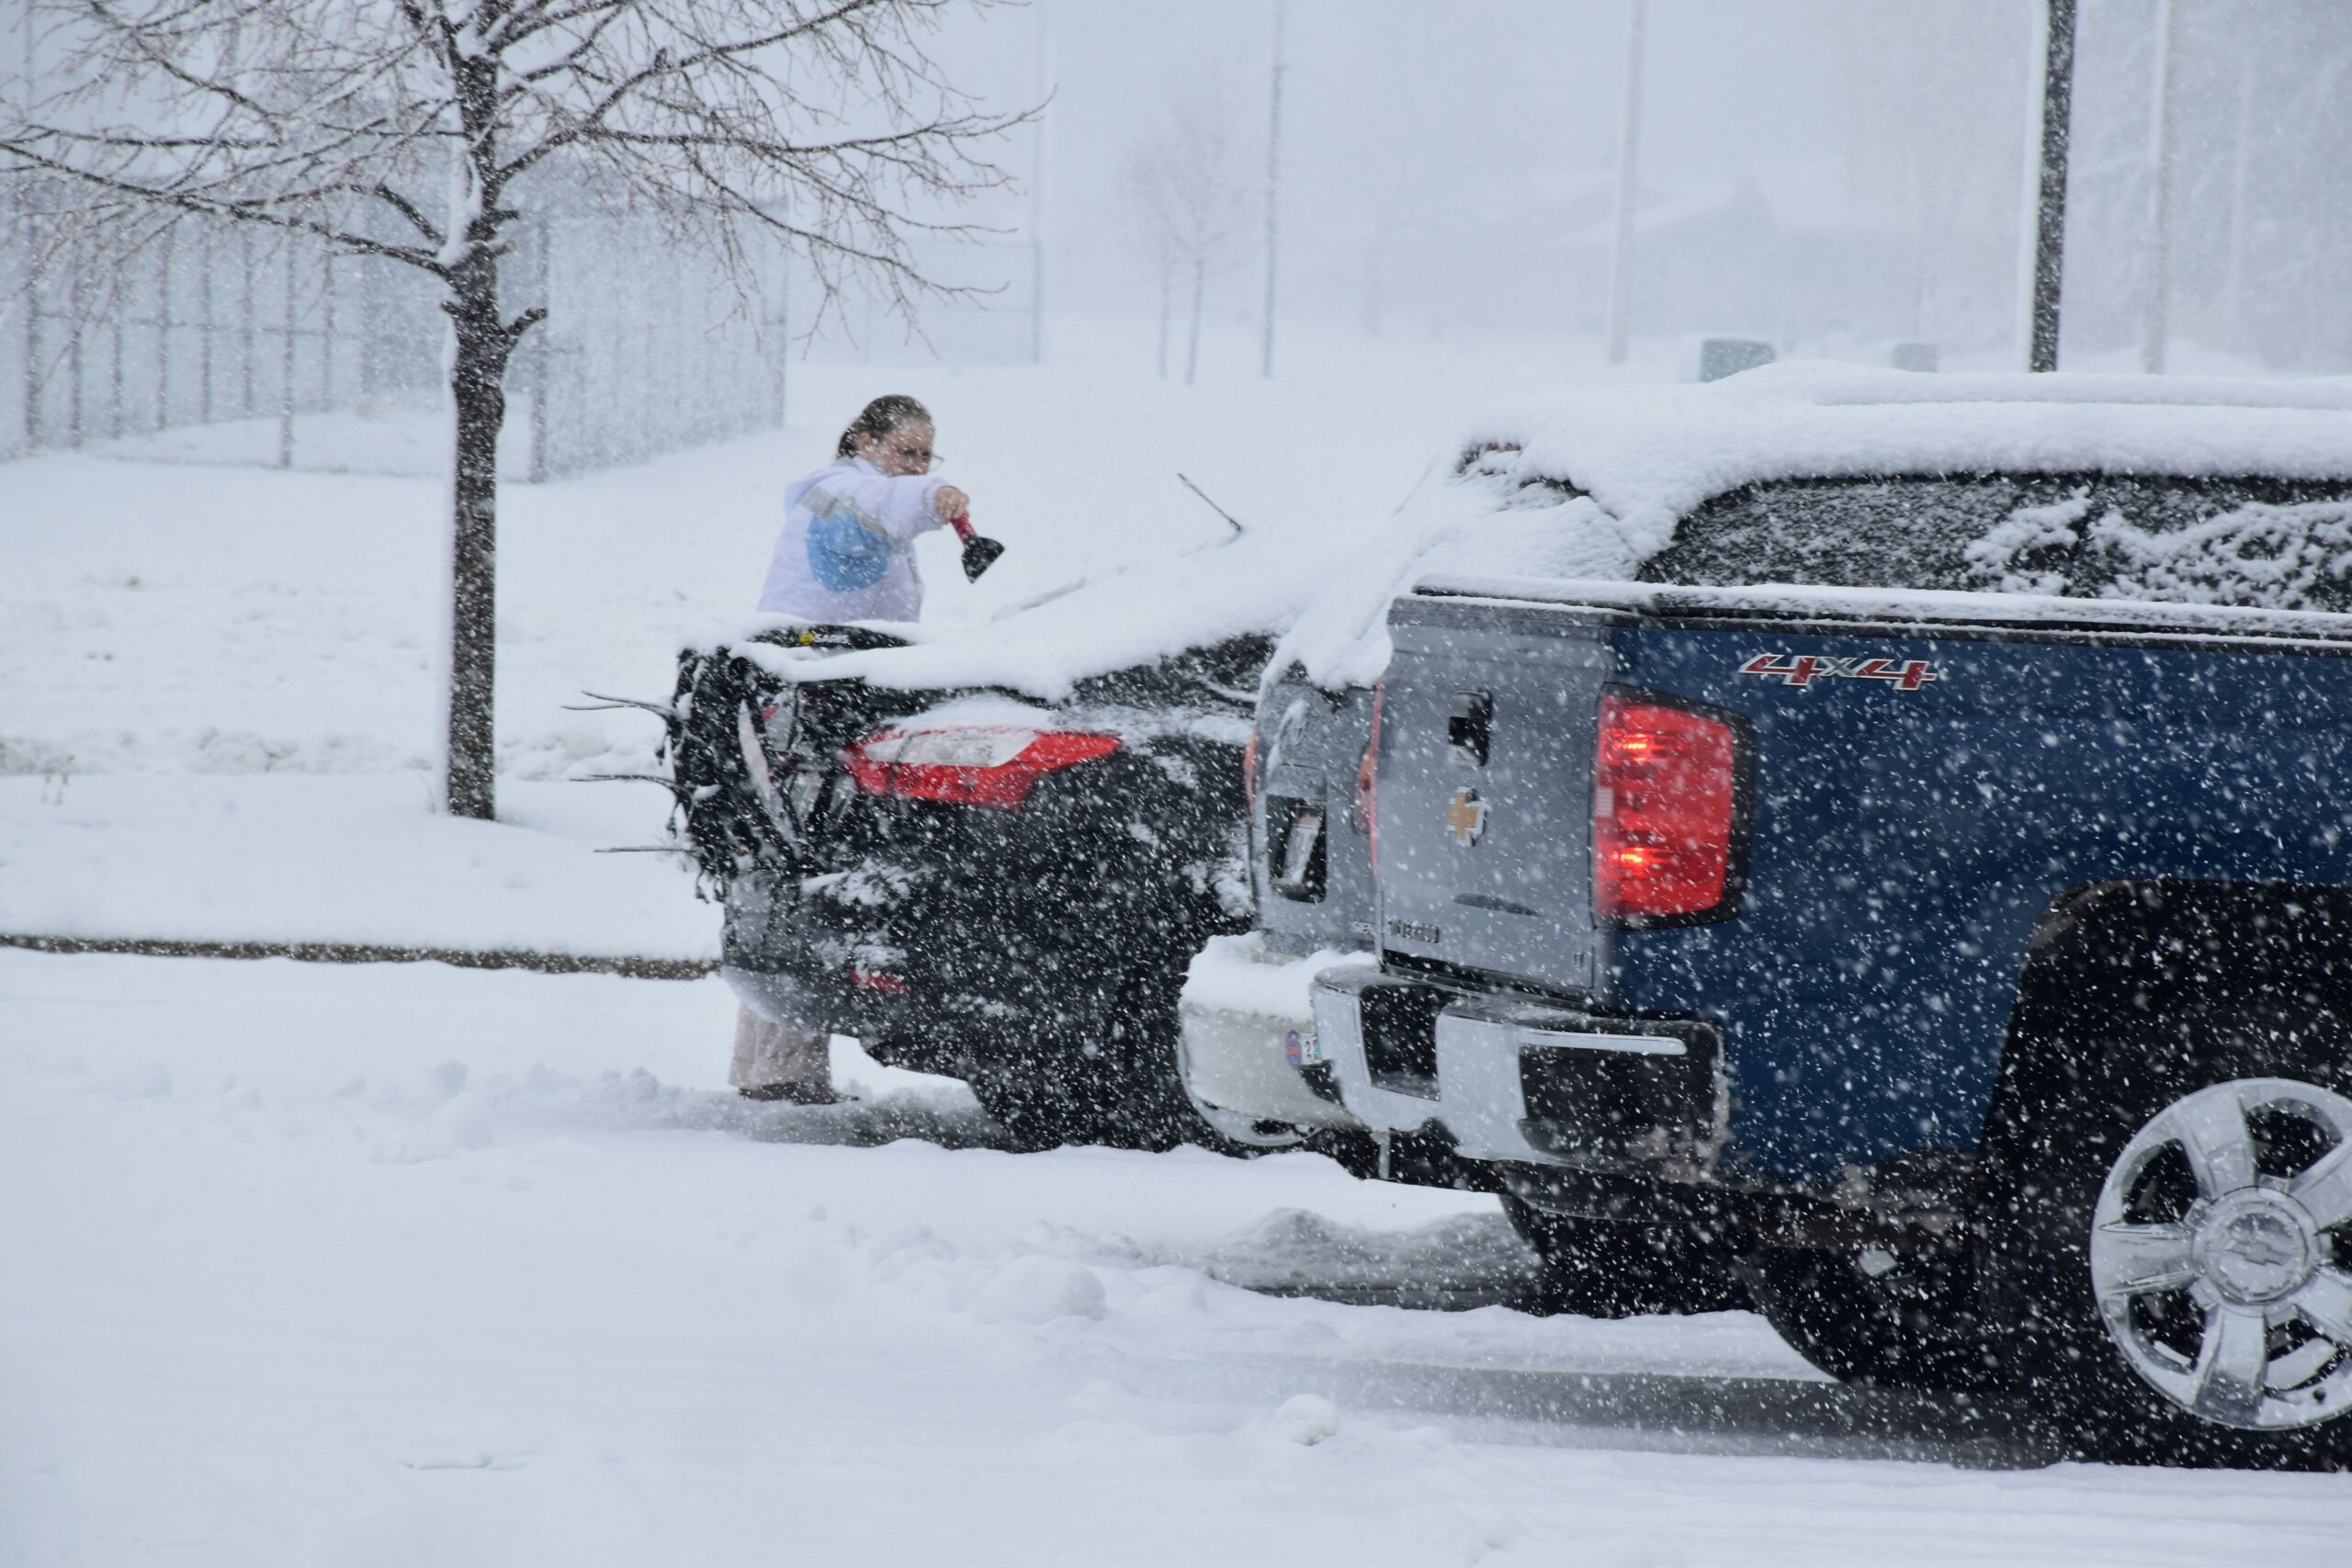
(1905, 837)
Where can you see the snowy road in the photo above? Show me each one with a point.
(406, 1264)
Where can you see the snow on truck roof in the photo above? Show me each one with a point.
(1650, 453)
(1592, 484)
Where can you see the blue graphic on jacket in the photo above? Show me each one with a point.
(844, 554)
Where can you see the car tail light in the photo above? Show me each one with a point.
(1250, 773)
(967, 764)
(874, 980)
(1364, 814)
(1666, 813)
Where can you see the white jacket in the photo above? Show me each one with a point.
(847, 549)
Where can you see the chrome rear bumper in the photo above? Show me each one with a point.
(1514, 1079)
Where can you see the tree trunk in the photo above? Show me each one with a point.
(477, 392)
(1200, 290)
(476, 385)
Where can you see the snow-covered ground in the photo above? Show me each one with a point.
(411, 1264)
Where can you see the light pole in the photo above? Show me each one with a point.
(2050, 199)
(1622, 243)
(2160, 158)
(1273, 189)
(1045, 69)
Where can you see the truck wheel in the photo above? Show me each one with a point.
(1867, 1315)
(2184, 1257)
(1612, 1268)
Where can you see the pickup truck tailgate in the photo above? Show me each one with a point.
(1487, 726)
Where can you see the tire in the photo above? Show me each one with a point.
(1866, 1316)
(1358, 1154)
(1612, 1268)
(2180, 1246)
(1032, 1108)
(1112, 1083)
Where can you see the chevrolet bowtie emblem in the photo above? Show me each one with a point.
(1466, 818)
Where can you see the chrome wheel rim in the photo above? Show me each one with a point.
(2220, 1254)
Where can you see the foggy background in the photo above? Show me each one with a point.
(1833, 177)
(1826, 173)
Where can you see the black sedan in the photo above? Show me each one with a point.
(971, 883)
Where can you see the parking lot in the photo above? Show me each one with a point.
(402, 1263)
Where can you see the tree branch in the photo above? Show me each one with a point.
(359, 244)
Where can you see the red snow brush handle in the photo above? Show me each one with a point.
(979, 553)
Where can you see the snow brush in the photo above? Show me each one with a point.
(980, 552)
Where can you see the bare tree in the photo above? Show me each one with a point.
(420, 131)
(1189, 194)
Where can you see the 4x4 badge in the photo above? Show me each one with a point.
(1466, 818)
(1804, 668)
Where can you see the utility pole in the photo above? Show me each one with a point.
(1037, 196)
(2050, 201)
(1274, 188)
(2161, 159)
(1628, 136)
(2241, 173)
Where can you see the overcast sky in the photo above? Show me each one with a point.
(1453, 133)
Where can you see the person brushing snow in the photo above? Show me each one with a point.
(847, 549)
(847, 554)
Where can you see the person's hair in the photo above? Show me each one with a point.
(879, 418)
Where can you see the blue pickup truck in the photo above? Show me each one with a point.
(1906, 863)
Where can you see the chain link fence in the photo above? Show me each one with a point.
(249, 344)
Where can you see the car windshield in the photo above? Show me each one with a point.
(2247, 541)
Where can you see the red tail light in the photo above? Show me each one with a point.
(1364, 815)
(1665, 806)
(1250, 773)
(967, 764)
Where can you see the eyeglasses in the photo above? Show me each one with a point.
(920, 456)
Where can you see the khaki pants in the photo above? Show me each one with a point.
(777, 1054)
